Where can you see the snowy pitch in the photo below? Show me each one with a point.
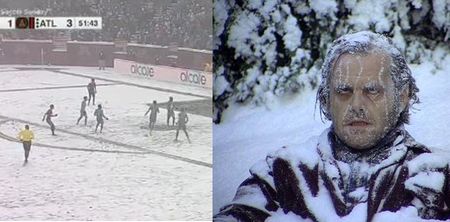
(120, 174)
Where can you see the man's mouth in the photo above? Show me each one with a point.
(358, 123)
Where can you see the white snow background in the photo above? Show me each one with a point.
(248, 133)
(121, 174)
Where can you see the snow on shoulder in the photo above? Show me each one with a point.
(427, 161)
(304, 153)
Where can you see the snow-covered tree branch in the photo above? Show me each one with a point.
(264, 50)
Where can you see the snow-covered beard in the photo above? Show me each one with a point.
(359, 161)
(376, 154)
(392, 115)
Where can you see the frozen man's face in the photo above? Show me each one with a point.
(364, 103)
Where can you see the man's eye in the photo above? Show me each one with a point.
(343, 90)
(373, 90)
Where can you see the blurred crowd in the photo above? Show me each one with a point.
(157, 22)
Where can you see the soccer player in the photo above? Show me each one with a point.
(101, 60)
(170, 111)
(100, 115)
(92, 90)
(182, 120)
(25, 136)
(48, 117)
(154, 111)
(83, 111)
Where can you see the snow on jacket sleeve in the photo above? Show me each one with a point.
(299, 182)
(429, 180)
(273, 185)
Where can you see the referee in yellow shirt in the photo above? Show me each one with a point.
(25, 136)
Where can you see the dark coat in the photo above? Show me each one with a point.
(309, 180)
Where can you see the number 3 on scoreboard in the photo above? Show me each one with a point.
(69, 23)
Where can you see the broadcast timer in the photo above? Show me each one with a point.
(50, 23)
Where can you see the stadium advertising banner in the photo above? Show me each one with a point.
(164, 73)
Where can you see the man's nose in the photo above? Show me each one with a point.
(357, 101)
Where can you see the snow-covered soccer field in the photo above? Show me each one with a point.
(120, 174)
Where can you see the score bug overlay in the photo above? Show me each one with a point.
(51, 23)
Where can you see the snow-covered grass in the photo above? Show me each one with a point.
(248, 134)
(70, 185)
(124, 105)
(138, 177)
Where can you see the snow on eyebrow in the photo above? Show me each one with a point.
(342, 86)
(374, 84)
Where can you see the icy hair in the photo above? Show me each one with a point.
(366, 42)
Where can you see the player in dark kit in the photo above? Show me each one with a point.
(154, 111)
(170, 111)
(101, 60)
(48, 117)
(83, 111)
(100, 115)
(92, 90)
(182, 120)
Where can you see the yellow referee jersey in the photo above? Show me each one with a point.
(26, 135)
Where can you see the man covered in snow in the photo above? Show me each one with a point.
(365, 163)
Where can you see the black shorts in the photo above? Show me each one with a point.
(83, 113)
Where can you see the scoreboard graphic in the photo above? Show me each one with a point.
(50, 23)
